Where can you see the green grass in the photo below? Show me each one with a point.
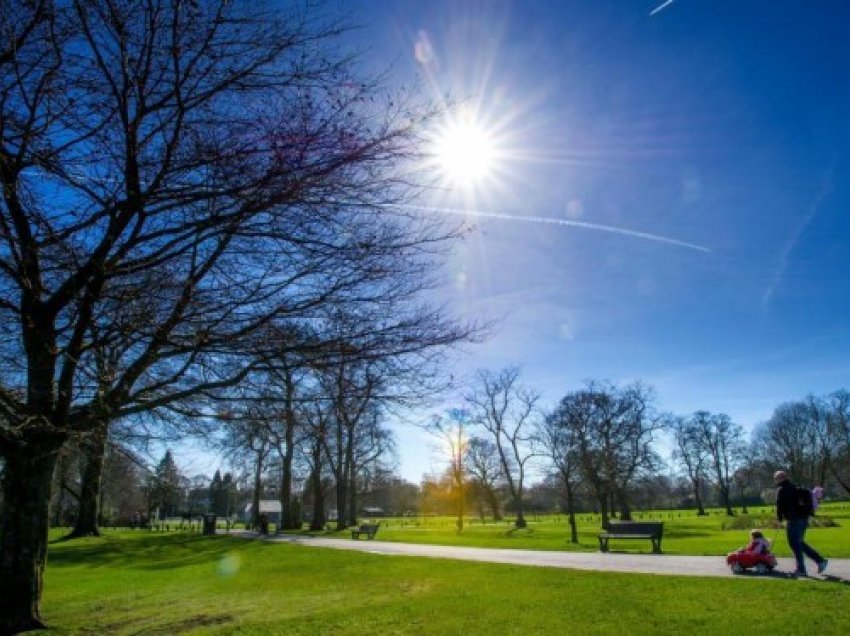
(684, 532)
(149, 583)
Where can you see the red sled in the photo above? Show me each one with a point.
(742, 561)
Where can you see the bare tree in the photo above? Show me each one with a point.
(248, 441)
(723, 441)
(614, 430)
(279, 383)
(559, 442)
(211, 165)
(352, 388)
(317, 414)
(485, 472)
(453, 431)
(747, 471)
(691, 453)
(796, 438)
(507, 410)
(838, 427)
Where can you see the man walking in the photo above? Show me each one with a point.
(792, 508)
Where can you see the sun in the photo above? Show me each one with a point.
(464, 152)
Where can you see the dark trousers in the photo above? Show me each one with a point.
(795, 530)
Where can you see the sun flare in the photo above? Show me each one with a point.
(465, 153)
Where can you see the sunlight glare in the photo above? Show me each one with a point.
(464, 152)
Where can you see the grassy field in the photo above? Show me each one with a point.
(179, 583)
(684, 532)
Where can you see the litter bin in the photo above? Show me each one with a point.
(209, 524)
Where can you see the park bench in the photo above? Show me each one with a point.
(651, 530)
(369, 529)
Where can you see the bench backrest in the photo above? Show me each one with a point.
(368, 527)
(636, 527)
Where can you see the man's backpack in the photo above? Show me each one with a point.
(803, 502)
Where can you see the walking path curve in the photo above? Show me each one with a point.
(838, 570)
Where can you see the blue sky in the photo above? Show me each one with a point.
(723, 125)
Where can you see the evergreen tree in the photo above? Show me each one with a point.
(165, 489)
(222, 495)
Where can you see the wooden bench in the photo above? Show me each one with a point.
(369, 529)
(651, 530)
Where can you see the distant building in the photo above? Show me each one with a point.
(373, 511)
(269, 507)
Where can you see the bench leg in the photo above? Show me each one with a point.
(603, 545)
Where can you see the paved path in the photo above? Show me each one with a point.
(839, 569)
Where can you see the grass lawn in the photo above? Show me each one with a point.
(149, 583)
(684, 532)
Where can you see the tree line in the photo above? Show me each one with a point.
(603, 448)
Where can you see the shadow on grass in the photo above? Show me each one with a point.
(648, 552)
(829, 578)
(190, 623)
(144, 551)
(779, 574)
(773, 574)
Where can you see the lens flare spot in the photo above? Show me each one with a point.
(460, 281)
(423, 51)
(575, 209)
(229, 565)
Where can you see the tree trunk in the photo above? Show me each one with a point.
(573, 527)
(255, 499)
(520, 515)
(317, 521)
(461, 512)
(743, 500)
(493, 499)
(341, 497)
(88, 505)
(350, 478)
(603, 509)
(724, 497)
(287, 513)
(27, 479)
(571, 505)
(698, 497)
(352, 500)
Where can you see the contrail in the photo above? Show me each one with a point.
(565, 222)
(661, 7)
(785, 255)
